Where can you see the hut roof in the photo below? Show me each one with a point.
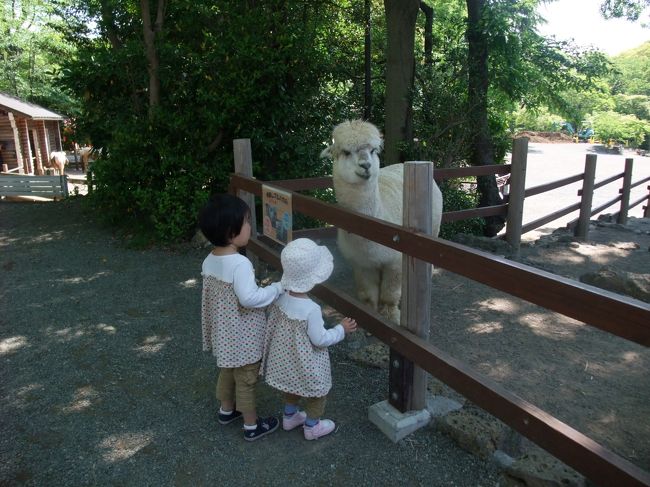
(29, 110)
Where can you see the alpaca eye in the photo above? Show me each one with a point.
(347, 153)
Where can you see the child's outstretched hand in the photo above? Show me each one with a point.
(349, 325)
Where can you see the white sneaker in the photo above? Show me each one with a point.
(296, 419)
(322, 428)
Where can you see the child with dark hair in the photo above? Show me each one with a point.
(233, 315)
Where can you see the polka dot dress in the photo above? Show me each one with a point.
(291, 362)
(234, 334)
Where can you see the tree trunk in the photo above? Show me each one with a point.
(482, 151)
(400, 69)
(153, 63)
(428, 33)
(367, 99)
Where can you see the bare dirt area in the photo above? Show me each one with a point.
(546, 137)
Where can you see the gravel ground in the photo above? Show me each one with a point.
(103, 382)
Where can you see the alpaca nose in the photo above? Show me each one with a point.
(365, 165)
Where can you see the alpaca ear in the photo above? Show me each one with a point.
(326, 153)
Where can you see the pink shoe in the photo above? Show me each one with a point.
(296, 419)
(322, 428)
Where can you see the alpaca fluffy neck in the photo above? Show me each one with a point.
(362, 197)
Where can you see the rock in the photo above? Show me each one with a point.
(473, 431)
(539, 469)
(199, 241)
(494, 245)
(375, 355)
(626, 283)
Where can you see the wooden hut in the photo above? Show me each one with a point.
(28, 133)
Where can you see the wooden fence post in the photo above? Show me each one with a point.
(244, 165)
(582, 228)
(646, 212)
(407, 382)
(517, 193)
(625, 192)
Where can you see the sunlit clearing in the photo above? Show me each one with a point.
(121, 447)
(82, 280)
(82, 400)
(190, 283)
(500, 371)
(5, 241)
(482, 328)
(613, 251)
(609, 418)
(11, 344)
(548, 326)
(499, 304)
(67, 334)
(152, 344)
(631, 357)
(108, 329)
(48, 237)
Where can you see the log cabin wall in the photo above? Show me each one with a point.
(30, 133)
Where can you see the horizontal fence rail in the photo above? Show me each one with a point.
(543, 188)
(588, 304)
(566, 443)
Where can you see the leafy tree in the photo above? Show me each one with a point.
(538, 119)
(32, 47)
(628, 9)
(278, 72)
(632, 74)
(620, 128)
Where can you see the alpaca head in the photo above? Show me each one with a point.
(355, 151)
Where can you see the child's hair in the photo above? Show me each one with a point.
(222, 217)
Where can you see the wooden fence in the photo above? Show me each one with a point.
(13, 185)
(618, 315)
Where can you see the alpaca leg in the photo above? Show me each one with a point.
(367, 284)
(390, 292)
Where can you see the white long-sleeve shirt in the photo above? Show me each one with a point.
(238, 270)
(306, 309)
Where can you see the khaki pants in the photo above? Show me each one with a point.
(314, 406)
(238, 385)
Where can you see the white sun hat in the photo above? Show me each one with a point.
(305, 264)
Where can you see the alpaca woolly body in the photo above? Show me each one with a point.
(57, 161)
(360, 185)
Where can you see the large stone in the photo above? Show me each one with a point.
(375, 355)
(473, 431)
(626, 283)
(539, 469)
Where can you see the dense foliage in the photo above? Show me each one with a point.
(164, 87)
(32, 49)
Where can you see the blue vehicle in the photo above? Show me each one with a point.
(585, 134)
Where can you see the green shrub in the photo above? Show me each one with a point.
(456, 198)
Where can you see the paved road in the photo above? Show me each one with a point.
(551, 162)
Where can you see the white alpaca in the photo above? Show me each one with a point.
(57, 161)
(360, 185)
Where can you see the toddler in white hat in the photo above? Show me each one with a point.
(296, 360)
